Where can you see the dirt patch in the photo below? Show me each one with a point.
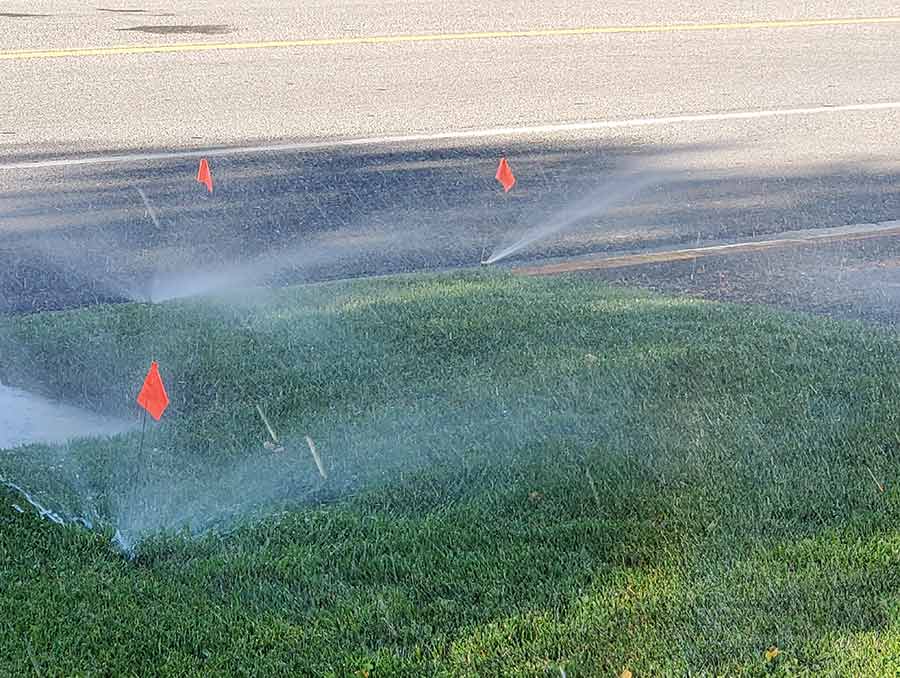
(209, 29)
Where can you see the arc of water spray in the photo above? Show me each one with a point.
(316, 458)
(152, 213)
(618, 190)
(43, 512)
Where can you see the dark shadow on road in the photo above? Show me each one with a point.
(81, 234)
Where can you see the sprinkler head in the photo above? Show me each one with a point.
(483, 253)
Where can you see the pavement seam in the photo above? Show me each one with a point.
(639, 259)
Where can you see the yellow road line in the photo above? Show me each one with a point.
(435, 37)
(628, 260)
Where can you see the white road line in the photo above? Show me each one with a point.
(528, 130)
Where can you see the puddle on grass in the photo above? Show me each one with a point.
(210, 29)
(26, 418)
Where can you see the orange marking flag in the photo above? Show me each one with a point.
(204, 176)
(153, 396)
(505, 175)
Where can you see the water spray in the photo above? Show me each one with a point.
(616, 191)
(316, 457)
(148, 207)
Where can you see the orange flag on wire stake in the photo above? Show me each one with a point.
(153, 396)
(204, 176)
(505, 175)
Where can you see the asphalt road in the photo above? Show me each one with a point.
(744, 121)
(194, 98)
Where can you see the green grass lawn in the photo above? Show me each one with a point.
(523, 476)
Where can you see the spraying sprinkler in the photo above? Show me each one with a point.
(484, 262)
(274, 445)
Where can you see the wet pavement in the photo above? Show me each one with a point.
(850, 280)
(27, 418)
(75, 235)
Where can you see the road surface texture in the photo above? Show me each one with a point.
(361, 138)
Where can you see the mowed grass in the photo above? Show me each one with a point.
(524, 476)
